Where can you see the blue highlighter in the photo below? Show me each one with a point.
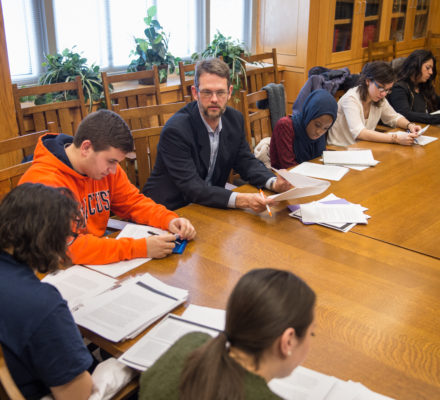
(180, 245)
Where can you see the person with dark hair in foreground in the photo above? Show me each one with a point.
(361, 108)
(269, 324)
(41, 343)
(413, 94)
(88, 164)
(201, 144)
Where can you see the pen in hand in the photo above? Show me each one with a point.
(267, 205)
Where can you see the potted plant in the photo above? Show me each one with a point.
(65, 67)
(231, 51)
(153, 50)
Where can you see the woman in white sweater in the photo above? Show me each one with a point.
(361, 108)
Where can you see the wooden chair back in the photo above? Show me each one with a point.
(22, 145)
(8, 388)
(259, 76)
(257, 123)
(432, 43)
(131, 90)
(381, 51)
(146, 138)
(186, 81)
(65, 114)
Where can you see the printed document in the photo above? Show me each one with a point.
(134, 231)
(319, 212)
(126, 311)
(77, 283)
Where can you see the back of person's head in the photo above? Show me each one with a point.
(411, 68)
(377, 71)
(263, 304)
(213, 66)
(35, 224)
(104, 129)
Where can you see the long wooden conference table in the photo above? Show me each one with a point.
(378, 286)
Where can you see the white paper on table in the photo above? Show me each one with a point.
(355, 167)
(331, 172)
(349, 157)
(127, 310)
(303, 384)
(117, 224)
(435, 112)
(303, 186)
(214, 317)
(424, 140)
(77, 283)
(148, 349)
(318, 212)
(134, 231)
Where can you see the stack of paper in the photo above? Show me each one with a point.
(331, 172)
(303, 186)
(124, 312)
(332, 212)
(306, 384)
(121, 267)
(350, 157)
(302, 384)
(147, 350)
(77, 284)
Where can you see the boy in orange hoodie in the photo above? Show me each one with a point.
(88, 164)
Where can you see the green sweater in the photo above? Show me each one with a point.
(161, 381)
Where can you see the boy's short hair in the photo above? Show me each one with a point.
(104, 128)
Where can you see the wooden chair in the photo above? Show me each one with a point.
(257, 124)
(186, 81)
(8, 388)
(65, 114)
(134, 94)
(146, 138)
(381, 51)
(259, 76)
(432, 43)
(10, 176)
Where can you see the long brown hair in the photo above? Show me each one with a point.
(378, 71)
(262, 305)
(35, 222)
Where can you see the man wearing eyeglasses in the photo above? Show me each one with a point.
(200, 145)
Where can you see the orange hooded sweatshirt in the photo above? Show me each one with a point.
(97, 198)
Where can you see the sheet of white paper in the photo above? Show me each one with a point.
(303, 384)
(303, 186)
(328, 213)
(128, 309)
(435, 112)
(214, 317)
(424, 140)
(349, 157)
(118, 268)
(78, 283)
(331, 172)
(147, 350)
(116, 224)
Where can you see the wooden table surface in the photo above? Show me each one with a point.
(402, 194)
(378, 286)
(378, 304)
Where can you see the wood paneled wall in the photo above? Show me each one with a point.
(8, 123)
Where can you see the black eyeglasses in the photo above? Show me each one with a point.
(207, 94)
(381, 88)
(78, 223)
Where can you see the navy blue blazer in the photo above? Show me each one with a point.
(182, 163)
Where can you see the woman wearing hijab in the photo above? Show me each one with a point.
(301, 138)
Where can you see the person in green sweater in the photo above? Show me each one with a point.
(269, 325)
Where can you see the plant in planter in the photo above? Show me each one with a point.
(230, 50)
(154, 49)
(65, 67)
